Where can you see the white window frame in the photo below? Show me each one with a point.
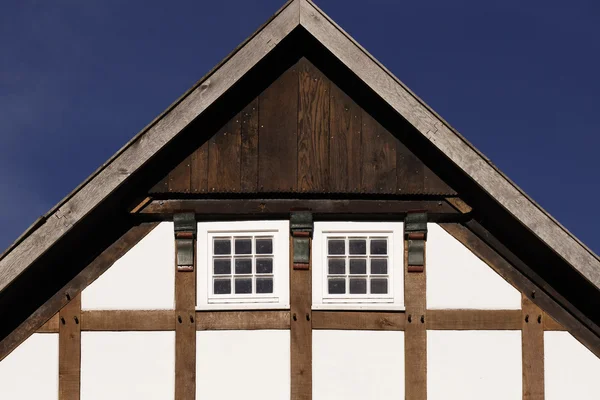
(394, 233)
(207, 231)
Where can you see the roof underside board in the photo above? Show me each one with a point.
(87, 199)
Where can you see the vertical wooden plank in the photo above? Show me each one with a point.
(345, 123)
(224, 157)
(532, 339)
(300, 331)
(199, 169)
(249, 156)
(415, 333)
(69, 350)
(378, 157)
(185, 334)
(410, 170)
(278, 134)
(313, 128)
(179, 178)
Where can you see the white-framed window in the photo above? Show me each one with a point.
(358, 265)
(243, 264)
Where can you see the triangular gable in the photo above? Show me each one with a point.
(526, 221)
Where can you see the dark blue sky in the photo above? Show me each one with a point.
(519, 79)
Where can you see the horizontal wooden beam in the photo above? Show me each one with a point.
(165, 320)
(457, 320)
(438, 210)
(242, 320)
(358, 320)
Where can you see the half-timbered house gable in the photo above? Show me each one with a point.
(299, 225)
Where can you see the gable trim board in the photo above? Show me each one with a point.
(87, 198)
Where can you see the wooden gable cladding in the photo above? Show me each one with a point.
(303, 134)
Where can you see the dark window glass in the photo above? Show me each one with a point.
(379, 266)
(358, 266)
(336, 246)
(243, 285)
(243, 266)
(222, 266)
(222, 246)
(264, 265)
(379, 246)
(379, 286)
(337, 286)
(264, 246)
(243, 246)
(358, 246)
(222, 286)
(337, 266)
(358, 286)
(264, 285)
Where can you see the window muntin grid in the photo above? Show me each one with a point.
(357, 266)
(242, 266)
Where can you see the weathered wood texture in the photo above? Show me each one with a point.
(185, 333)
(128, 320)
(303, 134)
(242, 320)
(358, 320)
(415, 333)
(300, 331)
(96, 268)
(532, 339)
(69, 350)
(457, 320)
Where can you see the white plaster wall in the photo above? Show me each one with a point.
(474, 365)
(143, 279)
(249, 365)
(571, 370)
(457, 278)
(31, 370)
(127, 365)
(358, 365)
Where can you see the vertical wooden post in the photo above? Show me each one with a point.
(185, 333)
(532, 340)
(415, 333)
(69, 350)
(300, 329)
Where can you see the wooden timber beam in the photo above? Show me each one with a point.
(69, 350)
(438, 210)
(96, 268)
(242, 320)
(514, 271)
(532, 348)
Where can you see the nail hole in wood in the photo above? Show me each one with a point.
(539, 319)
(294, 317)
(422, 319)
(76, 320)
(409, 318)
(179, 319)
(68, 296)
(191, 319)
(527, 319)
(62, 320)
(533, 294)
(307, 317)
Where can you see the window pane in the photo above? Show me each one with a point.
(222, 246)
(222, 266)
(337, 266)
(358, 286)
(358, 266)
(378, 246)
(222, 286)
(337, 286)
(243, 246)
(264, 285)
(264, 265)
(243, 265)
(336, 246)
(243, 285)
(379, 286)
(379, 266)
(264, 246)
(358, 246)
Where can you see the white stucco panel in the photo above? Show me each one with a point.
(143, 279)
(31, 370)
(127, 365)
(474, 365)
(249, 365)
(457, 278)
(571, 370)
(358, 365)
